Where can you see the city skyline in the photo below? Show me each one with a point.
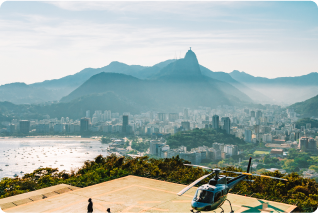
(49, 40)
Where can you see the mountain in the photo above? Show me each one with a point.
(69, 83)
(80, 77)
(63, 86)
(53, 90)
(226, 77)
(177, 85)
(283, 90)
(76, 108)
(186, 67)
(21, 93)
(74, 81)
(148, 72)
(123, 85)
(307, 108)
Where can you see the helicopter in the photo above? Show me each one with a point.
(211, 196)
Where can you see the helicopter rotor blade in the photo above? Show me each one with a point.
(265, 176)
(192, 184)
(203, 167)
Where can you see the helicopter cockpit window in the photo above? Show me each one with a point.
(217, 197)
(204, 196)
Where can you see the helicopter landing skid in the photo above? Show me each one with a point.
(230, 206)
(194, 211)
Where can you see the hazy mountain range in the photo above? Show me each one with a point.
(286, 90)
(167, 86)
(179, 84)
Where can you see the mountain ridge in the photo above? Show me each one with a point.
(180, 84)
(307, 108)
(308, 79)
(55, 89)
(283, 90)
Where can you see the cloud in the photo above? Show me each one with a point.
(40, 34)
(149, 6)
(67, 46)
(145, 33)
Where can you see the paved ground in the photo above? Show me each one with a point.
(40, 194)
(134, 194)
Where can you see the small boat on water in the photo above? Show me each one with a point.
(21, 172)
(1, 170)
(7, 164)
(15, 175)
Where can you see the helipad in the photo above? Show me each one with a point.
(128, 194)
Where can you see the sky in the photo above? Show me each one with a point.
(49, 40)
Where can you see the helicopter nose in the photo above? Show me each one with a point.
(199, 206)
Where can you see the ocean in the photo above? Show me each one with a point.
(23, 155)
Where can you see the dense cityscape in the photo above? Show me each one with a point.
(270, 130)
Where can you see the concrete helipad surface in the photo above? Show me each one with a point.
(135, 194)
(35, 195)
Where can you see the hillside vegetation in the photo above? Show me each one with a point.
(202, 137)
(307, 108)
(304, 121)
(297, 191)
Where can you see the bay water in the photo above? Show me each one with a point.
(24, 155)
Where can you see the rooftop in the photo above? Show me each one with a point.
(128, 194)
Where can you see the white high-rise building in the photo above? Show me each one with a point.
(88, 114)
(231, 149)
(107, 116)
(267, 138)
(186, 114)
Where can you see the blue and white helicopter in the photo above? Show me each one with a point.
(211, 196)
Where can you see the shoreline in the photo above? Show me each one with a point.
(72, 138)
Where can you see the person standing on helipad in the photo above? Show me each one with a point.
(90, 206)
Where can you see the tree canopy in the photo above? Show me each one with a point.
(200, 137)
(304, 121)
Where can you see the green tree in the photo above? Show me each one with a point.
(314, 167)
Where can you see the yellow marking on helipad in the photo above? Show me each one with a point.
(141, 202)
(136, 194)
(181, 201)
(144, 209)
